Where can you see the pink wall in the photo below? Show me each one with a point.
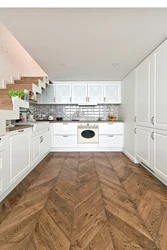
(14, 59)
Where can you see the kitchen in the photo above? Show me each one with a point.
(83, 153)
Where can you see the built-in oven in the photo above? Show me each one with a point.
(88, 133)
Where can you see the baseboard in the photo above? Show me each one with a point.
(80, 149)
(130, 156)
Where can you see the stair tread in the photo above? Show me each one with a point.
(26, 82)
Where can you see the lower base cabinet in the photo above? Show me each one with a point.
(144, 145)
(111, 141)
(160, 153)
(19, 154)
(41, 144)
(63, 141)
(151, 145)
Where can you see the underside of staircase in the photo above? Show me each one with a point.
(10, 107)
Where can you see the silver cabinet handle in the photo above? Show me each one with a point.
(22, 130)
(104, 99)
(110, 123)
(65, 135)
(88, 99)
(54, 99)
(110, 135)
(152, 120)
(135, 118)
(70, 99)
(40, 139)
(152, 135)
(65, 123)
(135, 131)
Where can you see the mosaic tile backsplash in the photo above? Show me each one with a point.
(69, 112)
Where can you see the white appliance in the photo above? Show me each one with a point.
(88, 133)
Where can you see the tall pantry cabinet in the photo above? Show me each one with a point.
(151, 114)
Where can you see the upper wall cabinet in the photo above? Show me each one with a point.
(48, 95)
(63, 93)
(160, 87)
(144, 87)
(79, 93)
(95, 93)
(112, 92)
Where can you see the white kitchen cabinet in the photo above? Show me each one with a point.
(144, 92)
(36, 149)
(48, 95)
(160, 87)
(65, 141)
(95, 93)
(3, 168)
(19, 154)
(112, 92)
(79, 93)
(65, 128)
(63, 93)
(160, 154)
(144, 145)
(111, 141)
(46, 143)
(41, 145)
(108, 128)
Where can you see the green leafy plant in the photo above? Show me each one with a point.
(16, 93)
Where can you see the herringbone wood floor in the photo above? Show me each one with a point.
(74, 201)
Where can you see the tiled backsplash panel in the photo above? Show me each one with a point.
(69, 112)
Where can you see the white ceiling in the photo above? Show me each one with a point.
(82, 44)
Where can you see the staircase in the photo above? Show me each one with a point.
(10, 107)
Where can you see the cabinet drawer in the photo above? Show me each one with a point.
(110, 128)
(109, 141)
(65, 128)
(64, 141)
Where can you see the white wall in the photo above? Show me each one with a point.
(127, 113)
(14, 59)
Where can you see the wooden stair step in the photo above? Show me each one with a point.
(6, 106)
(32, 78)
(20, 87)
(26, 82)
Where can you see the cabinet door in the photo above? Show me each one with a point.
(144, 145)
(63, 93)
(160, 155)
(20, 154)
(79, 93)
(144, 84)
(4, 165)
(48, 94)
(36, 149)
(160, 87)
(112, 92)
(46, 143)
(95, 93)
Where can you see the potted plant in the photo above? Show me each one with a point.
(17, 93)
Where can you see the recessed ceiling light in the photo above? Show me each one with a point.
(115, 64)
(62, 64)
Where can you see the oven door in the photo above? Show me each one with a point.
(88, 135)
